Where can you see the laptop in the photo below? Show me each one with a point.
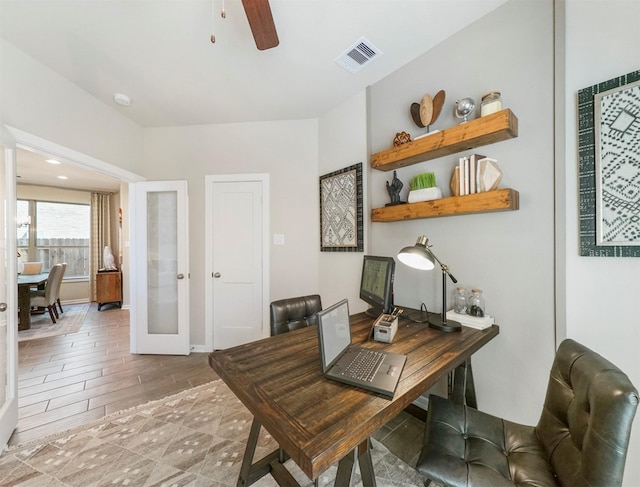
(374, 370)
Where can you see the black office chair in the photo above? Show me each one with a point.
(581, 438)
(292, 313)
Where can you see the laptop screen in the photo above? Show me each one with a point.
(334, 333)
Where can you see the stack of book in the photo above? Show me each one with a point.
(475, 174)
(480, 323)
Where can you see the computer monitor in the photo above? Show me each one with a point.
(376, 284)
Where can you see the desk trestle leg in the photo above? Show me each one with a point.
(461, 386)
(251, 472)
(273, 463)
(346, 466)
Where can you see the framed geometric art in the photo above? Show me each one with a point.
(609, 167)
(341, 218)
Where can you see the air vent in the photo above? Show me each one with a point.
(361, 54)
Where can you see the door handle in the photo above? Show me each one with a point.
(217, 275)
(3, 307)
(180, 276)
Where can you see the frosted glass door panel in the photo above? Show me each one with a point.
(162, 262)
(160, 267)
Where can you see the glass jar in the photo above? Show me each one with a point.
(460, 300)
(491, 103)
(476, 303)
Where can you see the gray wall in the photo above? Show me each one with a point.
(343, 142)
(509, 255)
(602, 293)
(287, 150)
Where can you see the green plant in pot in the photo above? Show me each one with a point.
(423, 188)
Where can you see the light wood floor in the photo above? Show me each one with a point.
(68, 380)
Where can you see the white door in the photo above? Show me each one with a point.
(237, 258)
(160, 268)
(8, 291)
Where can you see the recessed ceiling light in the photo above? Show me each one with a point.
(63, 177)
(122, 99)
(53, 161)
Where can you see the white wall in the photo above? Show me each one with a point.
(509, 255)
(38, 101)
(288, 151)
(342, 143)
(602, 293)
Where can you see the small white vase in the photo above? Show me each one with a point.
(107, 259)
(424, 194)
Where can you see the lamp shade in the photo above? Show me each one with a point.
(418, 256)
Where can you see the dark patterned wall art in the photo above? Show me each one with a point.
(609, 167)
(341, 219)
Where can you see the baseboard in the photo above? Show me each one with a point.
(200, 349)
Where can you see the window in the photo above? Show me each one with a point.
(52, 233)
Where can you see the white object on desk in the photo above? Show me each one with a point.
(385, 328)
(471, 321)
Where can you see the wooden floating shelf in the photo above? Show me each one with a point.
(489, 201)
(485, 130)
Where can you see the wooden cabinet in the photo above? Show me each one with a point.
(499, 126)
(109, 288)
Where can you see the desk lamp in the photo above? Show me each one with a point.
(421, 257)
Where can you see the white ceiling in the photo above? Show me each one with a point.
(158, 52)
(33, 168)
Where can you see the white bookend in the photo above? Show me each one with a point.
(489, 175)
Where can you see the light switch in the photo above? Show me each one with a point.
(278, 239)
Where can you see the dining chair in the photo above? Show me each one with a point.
(47, 298)
(32, 268)
(64, 268)
(581, 438)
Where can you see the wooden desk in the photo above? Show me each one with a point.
(26, 281)
(318, 421)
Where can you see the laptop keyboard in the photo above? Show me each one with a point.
(364, 365)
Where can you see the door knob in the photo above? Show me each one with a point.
(3, 307)
(180, 276)
(217, 275)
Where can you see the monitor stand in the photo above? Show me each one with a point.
(373, 312)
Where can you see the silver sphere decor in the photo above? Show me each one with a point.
(464, 108)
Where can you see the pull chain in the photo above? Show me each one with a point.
(223, 14)
(213, 36)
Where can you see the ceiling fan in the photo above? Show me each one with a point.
(261, 22)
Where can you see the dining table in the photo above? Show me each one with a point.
(26, 282)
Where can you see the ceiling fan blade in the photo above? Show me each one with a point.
(261, 23)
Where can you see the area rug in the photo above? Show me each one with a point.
(194, 438)
(41, 325)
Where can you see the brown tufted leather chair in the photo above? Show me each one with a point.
(581, 438)
(292, 313)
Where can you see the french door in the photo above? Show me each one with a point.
(160, 268)
(8, 291)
